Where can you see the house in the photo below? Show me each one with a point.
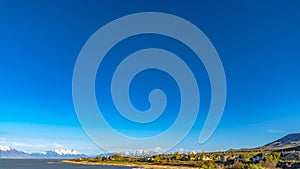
(257, 158)
(198, 158)
(192, 159)
(185, 158)
(173, 158)
(146, 159)
(238, 159)
(205, 158)
(292, 157)
(223, 158)
(168, 158)
(104, 158)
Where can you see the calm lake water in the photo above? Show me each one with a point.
(48, 164)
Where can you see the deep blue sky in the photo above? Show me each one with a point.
(257, 41)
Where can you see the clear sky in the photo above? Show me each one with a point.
(257, 41)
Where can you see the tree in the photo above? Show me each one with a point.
(176, 155)
(276, 156)
(117, 156)
(270, 161)
(156, 159)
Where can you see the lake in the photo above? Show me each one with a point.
(48, 164)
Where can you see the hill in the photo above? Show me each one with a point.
(288, 142)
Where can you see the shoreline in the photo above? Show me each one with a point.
(124, 164)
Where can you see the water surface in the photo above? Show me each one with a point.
(48, 164)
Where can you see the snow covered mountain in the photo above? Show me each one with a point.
(59, 153)
(8, 152)
(4, 148)
(134, 153)
(139, 153)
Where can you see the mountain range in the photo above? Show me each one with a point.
(287, 143)
(139, 153)
(8, 152)
(136, 153)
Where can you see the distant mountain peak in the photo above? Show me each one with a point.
(5, 148)
(67, 152)
(138, 153)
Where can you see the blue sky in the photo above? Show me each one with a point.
(257, 41)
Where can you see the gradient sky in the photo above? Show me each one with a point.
(257, 41)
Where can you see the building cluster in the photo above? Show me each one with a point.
(223, 158)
